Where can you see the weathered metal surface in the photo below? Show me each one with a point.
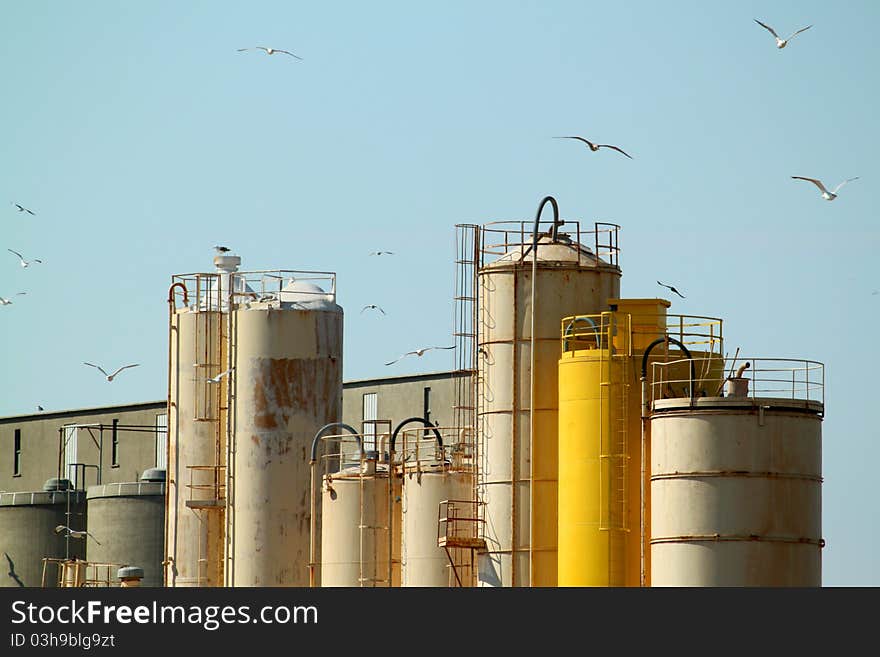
(736, 495)
(288, 383)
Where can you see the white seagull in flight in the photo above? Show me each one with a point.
(5, 302)
(217, 378)
(23, 209)
(828, 196)
(110, 376)
(417, 352)
(221, 249)
(781, 43)
(596, 147)
(74, 533)
(373, 306)
(270, 51)
(378, 253)
(24, 263)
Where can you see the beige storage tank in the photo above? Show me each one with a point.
(736, 481)
(360, 525)
(434, 472)
(515, 486)
(28, 523)
(129, 519)
(196, 474)
(287, 383)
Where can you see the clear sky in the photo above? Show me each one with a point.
(141, 138)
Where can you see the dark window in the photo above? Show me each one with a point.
(426, 410)
(16, 454)
(114, 447)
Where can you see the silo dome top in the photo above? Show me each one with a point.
(307, 295)
(562, 250)
(57, 484)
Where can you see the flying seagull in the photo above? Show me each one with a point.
(417, 352)
(12, 572)
(23, 209)
(781, 43)
(24, 263)
(270, 51)
(40, 408)
(596, 147)
(378, 253)
(217, 378)
(110, 376)
(221, 249)
(828, 196)
(372, 306)
(671, 288)
(73, 533)
(6, 302)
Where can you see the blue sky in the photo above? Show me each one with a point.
(141, 138)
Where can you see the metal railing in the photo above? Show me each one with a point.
(499, 238)
(75, 573)
(212, 484)
(777, 378)
(210, 291)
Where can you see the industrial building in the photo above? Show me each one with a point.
(583, 439)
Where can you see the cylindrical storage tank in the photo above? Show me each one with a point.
(129, 520)
(357, 504)
(424, 562)
(593, 468)
(736, 492)
(28, 522)
(521, 528)
(196, 434)
(287, 384)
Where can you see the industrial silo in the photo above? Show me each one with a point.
(128, 521)
(736, 481)
(360, 525)
(287, 383)
(197, 424)
(255, 368)
(29, 533)
(574, 272)
(433, 472)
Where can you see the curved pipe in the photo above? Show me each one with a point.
(741, 370)
(427, 424)
(534, 244)
(568, 329)
(171, 293)
(686, 353)
(325, 429)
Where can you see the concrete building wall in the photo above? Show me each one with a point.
(398, 398)
(39, 436)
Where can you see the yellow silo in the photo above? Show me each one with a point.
(593, 458)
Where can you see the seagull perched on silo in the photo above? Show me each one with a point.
(110, 376)
(23, 209)
(6, 302)
(372, 306)
(73, 533)
(24, 263)
(596, 147)
(781, 43)
(828, 196)
(270, 51)
(417, 352)
(671, 288)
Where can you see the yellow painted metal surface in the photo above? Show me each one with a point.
(592, 468)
